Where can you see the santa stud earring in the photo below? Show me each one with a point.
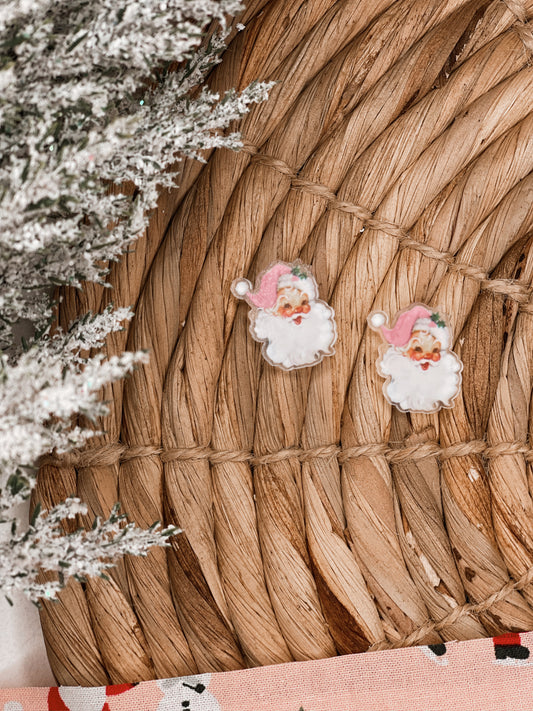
(296, 328)
(422, 373)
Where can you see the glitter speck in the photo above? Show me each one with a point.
(141, 102)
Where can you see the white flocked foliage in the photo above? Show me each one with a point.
(89, 96)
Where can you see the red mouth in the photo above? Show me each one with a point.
(424, 366)
(297, 320)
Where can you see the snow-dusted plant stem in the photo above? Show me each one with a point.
(87, 98)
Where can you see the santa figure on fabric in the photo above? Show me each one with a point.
(296, 328)
(422, 372)
(508, 650)
(188, 693)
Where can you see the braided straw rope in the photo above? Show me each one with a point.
(394, 155)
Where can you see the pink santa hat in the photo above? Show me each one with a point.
(418, 318)
(279, 276)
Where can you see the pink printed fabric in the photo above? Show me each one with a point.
(483, 675)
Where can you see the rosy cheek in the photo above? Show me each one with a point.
(306, 309)
(414, 355)
(436, 357)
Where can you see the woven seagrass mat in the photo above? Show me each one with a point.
(395, 156)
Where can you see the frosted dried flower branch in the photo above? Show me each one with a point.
(49, 383)
(85, 102)
(44, 546)
(87, 99)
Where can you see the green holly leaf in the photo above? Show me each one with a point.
(297, 271)
(438, 320)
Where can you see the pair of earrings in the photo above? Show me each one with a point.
(298, 330)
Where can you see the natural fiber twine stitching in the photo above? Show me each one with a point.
(522, 25)
(508, 287)
(527, 307)
(114, 453)
(517, 8)
(111, 454)
(471, 608)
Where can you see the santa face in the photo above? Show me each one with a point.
(297, 331)
(423, 348)
(296, 328)
(292, 304)
(421, 377)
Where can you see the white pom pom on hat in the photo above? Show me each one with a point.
(241, 287)
(378, 320)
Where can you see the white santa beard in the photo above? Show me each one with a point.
(415, 390)
(292, 345)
